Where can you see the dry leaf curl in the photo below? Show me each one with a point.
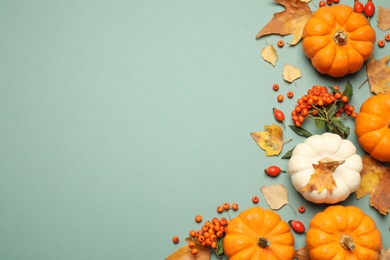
(378, 74)
(383, 18)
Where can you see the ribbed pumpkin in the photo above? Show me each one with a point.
(372, 126)
(337, 40)
(258, 234)
(343, 232)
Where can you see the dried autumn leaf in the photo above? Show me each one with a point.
(184, 253)
(322, 178)
(269, 54)
(291, 73)
(302, 253)
(276, 196)
(383, 18)
(376, 182)
(290, 21)
(383, 254)
(271, 140)
(378, 74)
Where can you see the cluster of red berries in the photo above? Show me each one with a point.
(207, 235)
(226, 206)
(317, 100)
(368, 9)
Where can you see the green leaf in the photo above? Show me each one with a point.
(219, 249)
(288, 154)
(348, 91)
(300, 131)
(320, 124)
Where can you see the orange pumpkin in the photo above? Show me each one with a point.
(372, 126)
(343, 232)
(258, 234)
(337, 40)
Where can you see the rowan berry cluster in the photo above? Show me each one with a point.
(209, 235)
(328, 108)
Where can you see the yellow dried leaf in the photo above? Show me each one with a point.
(290, 21)
(322, 178)
(291, 73)
(383, 18)
(269, 54)
(378, 74)
(276, 195)
(271, 141)
(376, 182)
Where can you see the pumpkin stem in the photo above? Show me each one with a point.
(347, 243)
(263, 242)
(340, 37)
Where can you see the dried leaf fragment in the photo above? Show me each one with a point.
(378, 74)
(291, 73)
(269, 54)
(302, 253)
(290, 21)
(384, 255)
(271, 141)
(276, 195)
(383, 18)
(322, 178)
(184, 253)
(376, 182)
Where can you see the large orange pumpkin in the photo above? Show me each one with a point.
(337, 40)
(372, 126)
(341, 232)
(258, 234)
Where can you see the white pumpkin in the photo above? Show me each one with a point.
(326, 147)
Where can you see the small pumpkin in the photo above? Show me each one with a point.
(333, 151)
(343, 232)
(372, 126)
(338, 40)
(258, 234)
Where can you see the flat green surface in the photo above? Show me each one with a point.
(122, 120)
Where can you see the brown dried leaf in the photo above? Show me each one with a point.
(383, 18)
(271, 141)
(322, 178)
(383, 254)
(290, 21)
(184, 253)
(376, 182)
(302, 253)
(269, 54)
(378, 74)
(276, 195)
(291, 73)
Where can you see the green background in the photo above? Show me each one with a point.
(122, 120)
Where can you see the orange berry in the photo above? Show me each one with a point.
(381, 43)
(234, 206)
(191, 244)
(175, 239)
(255, 199)
(226, 206)
(297, 123)
(280, 43)
(204, 228)
(192, 233)
(322, 3)
(220, 209)
(198, 218)
(338, 95)
(290, 94)
(219, 233)
(354, 114)
(201, 239)
(280, 98)
(198, 233)
(213, 245)
(301, 209)
(387, 37)
(351, 108)
(194, 251)
(275, 87)
(345, 99)
(223, 221)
